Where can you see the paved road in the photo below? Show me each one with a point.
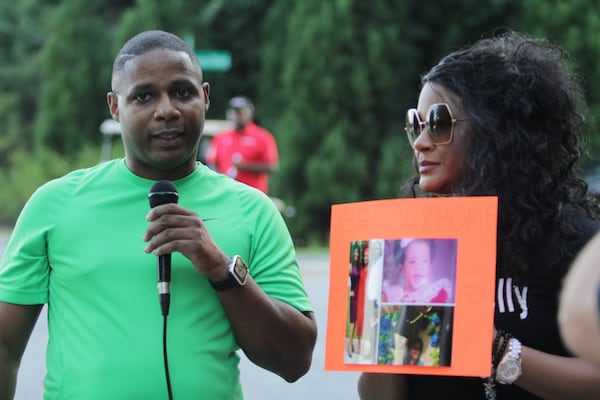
(258, 384)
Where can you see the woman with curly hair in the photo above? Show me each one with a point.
(504, 117)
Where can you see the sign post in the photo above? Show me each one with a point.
(214, 60)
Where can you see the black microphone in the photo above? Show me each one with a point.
(163, 192)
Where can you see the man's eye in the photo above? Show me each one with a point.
(142, 97)
(182, 93)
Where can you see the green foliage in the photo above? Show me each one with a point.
(395, 167)
(28, 170)
(337, 79)
(234, 26)
(75, 77)
(331, 79)
(20, 42)
(333, 68)
(574, 25)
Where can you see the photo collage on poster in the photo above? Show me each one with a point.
(401, 301)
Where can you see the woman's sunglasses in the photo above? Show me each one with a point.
(439, 124)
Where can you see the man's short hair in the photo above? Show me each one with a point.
(150, 40)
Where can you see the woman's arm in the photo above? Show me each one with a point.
(554, 377)
(549, 376)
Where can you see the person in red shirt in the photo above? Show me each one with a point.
(248, 153)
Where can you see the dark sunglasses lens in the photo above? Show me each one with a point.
(440, 123)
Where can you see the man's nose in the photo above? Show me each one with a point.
(166, 108)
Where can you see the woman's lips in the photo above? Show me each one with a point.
(426, 166)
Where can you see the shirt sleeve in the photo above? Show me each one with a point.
(25, 266)
(273, 264)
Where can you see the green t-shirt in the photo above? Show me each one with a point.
(78, 246)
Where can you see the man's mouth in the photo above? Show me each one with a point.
(168, 137)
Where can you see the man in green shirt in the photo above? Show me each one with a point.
(86, 244)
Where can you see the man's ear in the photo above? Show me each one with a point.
(206, 90)
(113, 105)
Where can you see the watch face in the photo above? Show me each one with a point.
(509, 370)
(240, 270)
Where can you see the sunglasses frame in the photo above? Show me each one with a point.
(426, 124)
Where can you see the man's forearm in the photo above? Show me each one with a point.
(8, 377)
(274, 335)
(16, 324)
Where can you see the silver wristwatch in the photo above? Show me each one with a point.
(509, 368)
(237, 275)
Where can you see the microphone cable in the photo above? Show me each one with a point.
(166, 358)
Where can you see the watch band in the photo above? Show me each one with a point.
(237, 273)
(226, 284)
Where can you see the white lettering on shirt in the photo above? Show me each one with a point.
(505, 298)
(501, 295)
(522, 299)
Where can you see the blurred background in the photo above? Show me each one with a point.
(330, 78)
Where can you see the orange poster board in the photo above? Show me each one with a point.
(412, 286)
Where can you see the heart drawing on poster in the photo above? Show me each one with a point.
(474, 291)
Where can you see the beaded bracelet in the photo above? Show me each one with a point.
(489, 385)
(499, 334)
(500, 353)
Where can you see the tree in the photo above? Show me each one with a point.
(234, 26)
(337, 78)
(331, 79)
(75, 76)
(575, 26)
(20, 43)
(77, 62)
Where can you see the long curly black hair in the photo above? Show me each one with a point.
(524, 139)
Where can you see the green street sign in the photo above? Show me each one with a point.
(214, 60)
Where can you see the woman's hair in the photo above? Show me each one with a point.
(524, 137)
